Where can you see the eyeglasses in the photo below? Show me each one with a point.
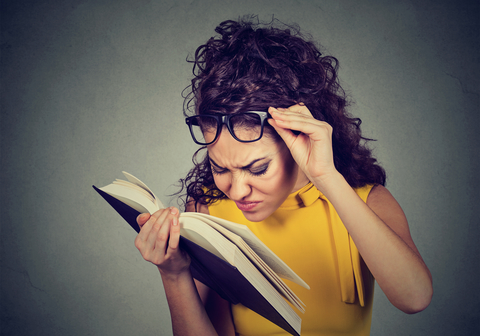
(244, 126)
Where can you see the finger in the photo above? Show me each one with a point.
(297, 113)
(285, 133)
(304, 126)
(278, 122)
(290, 126)
(174, 240)
(160, 235)
(299, 108)
(281, 115)
(302, 123)
(147, 227)
(158, 229)
(142, 219)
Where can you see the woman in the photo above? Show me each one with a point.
(299, 176)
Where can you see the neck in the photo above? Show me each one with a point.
(302, 180)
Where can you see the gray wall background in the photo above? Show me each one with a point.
(91, 88)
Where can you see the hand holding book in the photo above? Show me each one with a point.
(225, 256)
(159, 239)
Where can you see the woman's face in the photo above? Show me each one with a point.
(258, 176)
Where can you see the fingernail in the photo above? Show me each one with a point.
(173, 210)
(175, 221)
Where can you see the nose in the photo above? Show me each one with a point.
(239, 187)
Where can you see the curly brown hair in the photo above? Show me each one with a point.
(253, 66)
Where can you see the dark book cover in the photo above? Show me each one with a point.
(213, 271)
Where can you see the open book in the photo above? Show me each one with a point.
(226, 256)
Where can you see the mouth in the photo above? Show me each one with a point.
(247, 206)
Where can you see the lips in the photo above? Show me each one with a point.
(246, 206)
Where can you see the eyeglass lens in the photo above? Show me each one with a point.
(245, 127)
(203, 126)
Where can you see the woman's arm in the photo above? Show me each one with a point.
(380, 232)
(158, 242)
(378, 228)
(186, 309)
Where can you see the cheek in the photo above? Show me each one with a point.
(272, 186)
(283, 181)
(221, 181)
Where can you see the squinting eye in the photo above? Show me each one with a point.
(259, 171)
(218, 172)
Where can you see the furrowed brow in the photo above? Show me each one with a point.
(244, 167)
(215, 164)
(252, 163)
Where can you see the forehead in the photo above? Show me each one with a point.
(228, 152)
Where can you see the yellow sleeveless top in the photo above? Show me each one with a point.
(307, 233)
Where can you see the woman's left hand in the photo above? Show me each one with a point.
(312, 148)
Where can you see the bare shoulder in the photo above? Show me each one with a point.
(382, 202)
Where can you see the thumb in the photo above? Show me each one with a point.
(143, 218)
(287, 135)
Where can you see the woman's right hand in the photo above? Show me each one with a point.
(158, 241)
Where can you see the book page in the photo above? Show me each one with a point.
(207, 237)
(136, 181)
(256, 260)
(131, 197)
(133, 186)
(270, 258)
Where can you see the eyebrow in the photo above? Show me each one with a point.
(244, 167)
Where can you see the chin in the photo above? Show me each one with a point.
(256, 216)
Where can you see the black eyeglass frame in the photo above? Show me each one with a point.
(224, 119)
